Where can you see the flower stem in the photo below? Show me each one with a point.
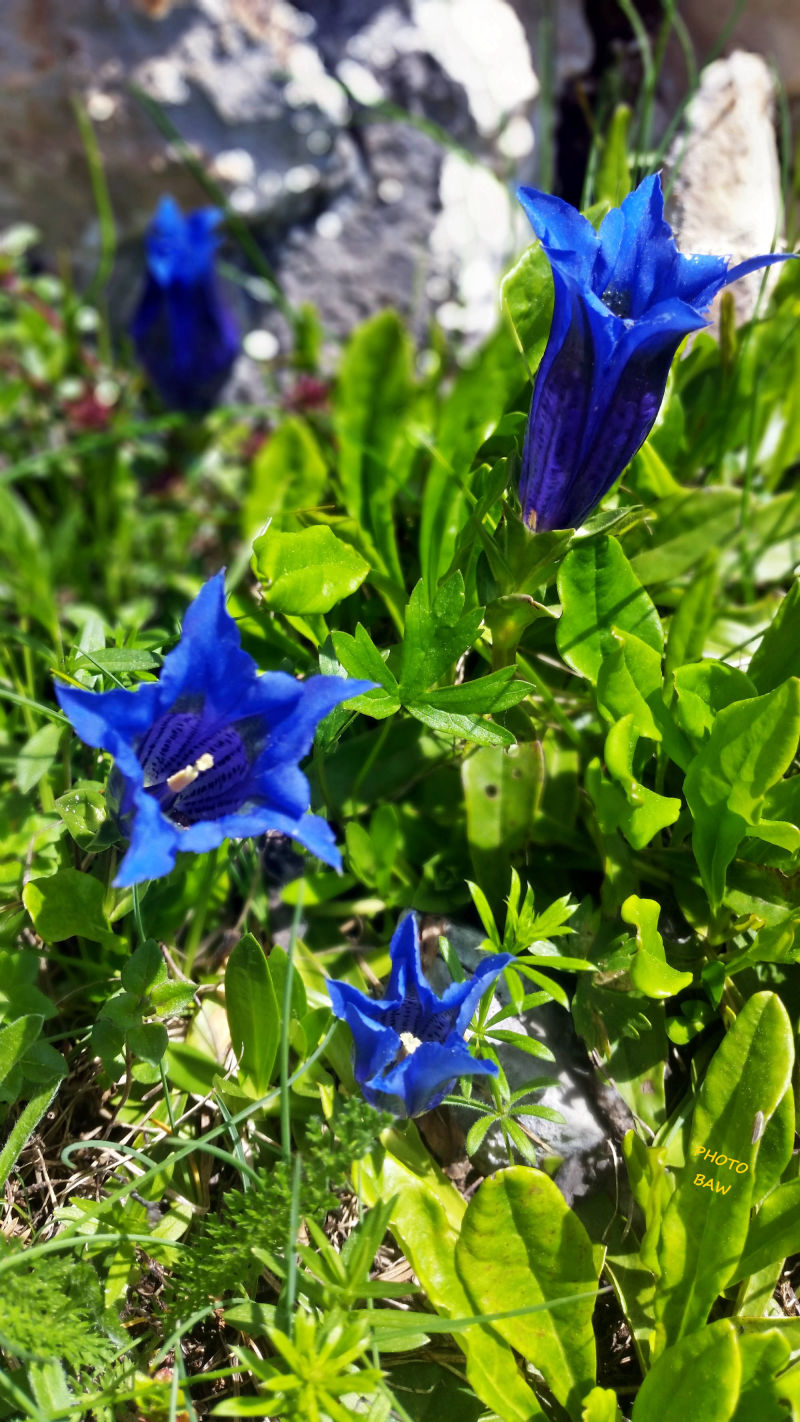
(286, 1022)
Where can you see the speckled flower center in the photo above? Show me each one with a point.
(195, 771)
(620, 302)
(410, 1022)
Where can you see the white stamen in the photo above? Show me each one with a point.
(410, 1042)
(182, 779)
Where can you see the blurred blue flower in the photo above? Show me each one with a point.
(625, 298)
(185, 336)
(210, 751)
(409, 1047)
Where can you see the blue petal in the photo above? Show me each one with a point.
(423, 1078)
(292, 730)
(154, 843)
(208, 661)
(407, 981)
(109, 720)
(486, 972)
(568, 238)
(376, 1044)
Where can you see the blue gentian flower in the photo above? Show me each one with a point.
(185, 336)
(625, 298)
(409, 1047)
(210, 751)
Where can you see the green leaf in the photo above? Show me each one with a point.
(373, 401)
(144, 969)
(502, 789)
(68, 904)
(306, 572)
(497, 692)
(600, 1405)
(85, 813)
(650, 971)
(698, 1377)
(253, 1013)
(688, 524)
(705, 1226)
(426, 1219)
(148, 1041)
(599, 591)
(751, 746)
(15, 1039)
(774, 1231)
(691, 621)
(520, 1241)
(629, 1035)
(628, 805)
(762, 1396)
(360, 658)
(613, 180)
(481, 733)
(288, 476)
(702, 691)
(778, 653)
(37, 755)
(526, 295)
(437, 632)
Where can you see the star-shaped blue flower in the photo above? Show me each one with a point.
(184, 334)
(624, 299)
(210, 751)
(409, 1046)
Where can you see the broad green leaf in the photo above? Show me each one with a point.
(288, 476)
(253, 1012)
(502, 789)
(774, 1231)
(148, 1041)
(599, 591)
(697, 1377)
(498, 691)
(37, 755)
(629, 682)
(703, 690)
(437, 632)
(613, 180)
(144, 969)
(751, 746)
(481, 733)
(426, 1220)
(629, 1035)
(600, 1405)
(688, 524)
(84, 811)
(373, 401)
(520, 1241)
(762, 1397)
(15, 1039)
(705, 1226)
(306, 572)
(692, 618)
(360, 658)
(66, 905)
(638, 812)
(526, 295)
(778, 653)
(650, 971)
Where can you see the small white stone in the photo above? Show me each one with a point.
(302, 178)
(362, 84)
(318, 141)
(87, 319)
(100, 107)
(106, 392)
(390, 191)
(516, 141)
(234, 165)
(243, 199)
(261, 345)
(329, 226)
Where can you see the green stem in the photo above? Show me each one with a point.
(286, 1022)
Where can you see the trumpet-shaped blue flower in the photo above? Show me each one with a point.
(210, 751)
(184, 335)
(409, 1047)
(625, 298)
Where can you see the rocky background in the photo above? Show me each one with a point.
(371, 146)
